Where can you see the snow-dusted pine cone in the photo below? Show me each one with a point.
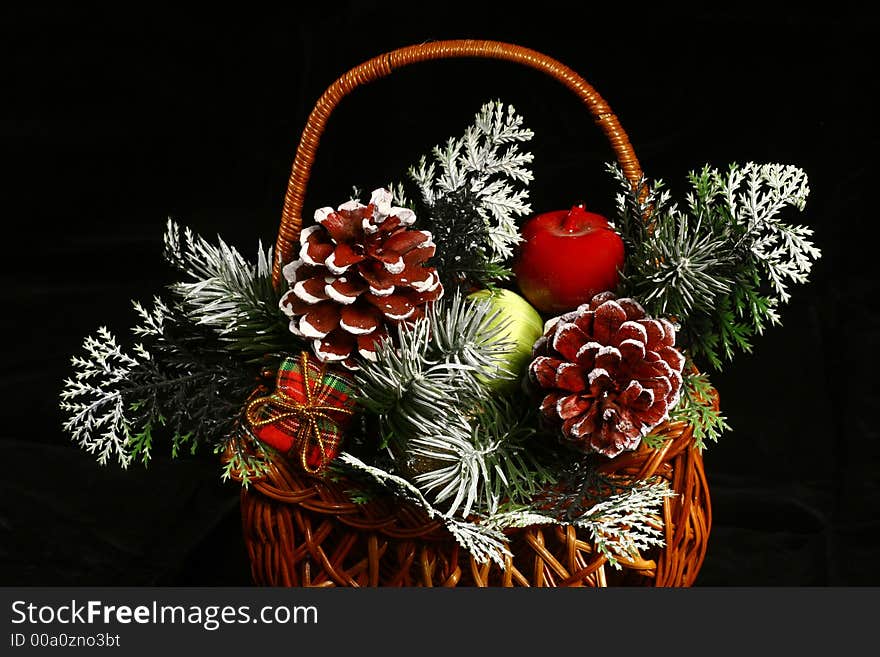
(360, 271)
(610, 374)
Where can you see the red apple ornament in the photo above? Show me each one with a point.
(566, 258)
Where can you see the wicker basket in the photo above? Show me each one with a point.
(301, 530)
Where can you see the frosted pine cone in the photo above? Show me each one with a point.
(360, 271)
(610, 374)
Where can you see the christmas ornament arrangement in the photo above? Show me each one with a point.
(434, 384)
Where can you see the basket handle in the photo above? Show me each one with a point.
(382, 66)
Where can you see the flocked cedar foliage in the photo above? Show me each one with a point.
(97, 418)
(722, 264)
(621, 522)
(471, 194)
(194, 361)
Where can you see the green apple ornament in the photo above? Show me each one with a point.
(566, 258)
(523, 326)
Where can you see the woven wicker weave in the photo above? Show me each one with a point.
(304, 531)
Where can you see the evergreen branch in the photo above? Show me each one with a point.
(197, 359)
(625, 524)
(190, 384)
(579, 487)
(654, 441)
(435, 367)
(721, 267)
(622, 518)
(697, 410)
(429, 394)
(731, 324)
(635, 203)
(678, 269)
(140, 443)
(755, 195)
(93, 399)
(385, 481)
(485, 167)
(249, 459)
(462, 236)
(462, 333)
(483, 541)
(179, 377)
(233, 297)
(481, 460)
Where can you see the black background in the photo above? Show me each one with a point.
(111, 122)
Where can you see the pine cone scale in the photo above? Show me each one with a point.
(631, 330)
(673, 357)
(607, 320)
(405, 241)
(568, 340)
(570, 376)
(293, 307)
(586, 355)
(311, 290)
(543, 369)
(339, 225)
(571, 406)
(335, 347)
(342, 258)
(632, 351)
(321, 319)
(366, 344)
(360, 319)
(378, 276)
(314, 247)
(344, 289)
(420, 254)
(394, 306)
(608, 358)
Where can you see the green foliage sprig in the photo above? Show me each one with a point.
(190, 384)
(696, 408)
(193, 365)
(722, 265)
(177, 379)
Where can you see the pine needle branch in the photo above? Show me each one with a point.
(429, 393)
(228, 294)
(435, 367)
(481, 461)
(720, 266)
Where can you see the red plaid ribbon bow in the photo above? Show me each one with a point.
(307, 412)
